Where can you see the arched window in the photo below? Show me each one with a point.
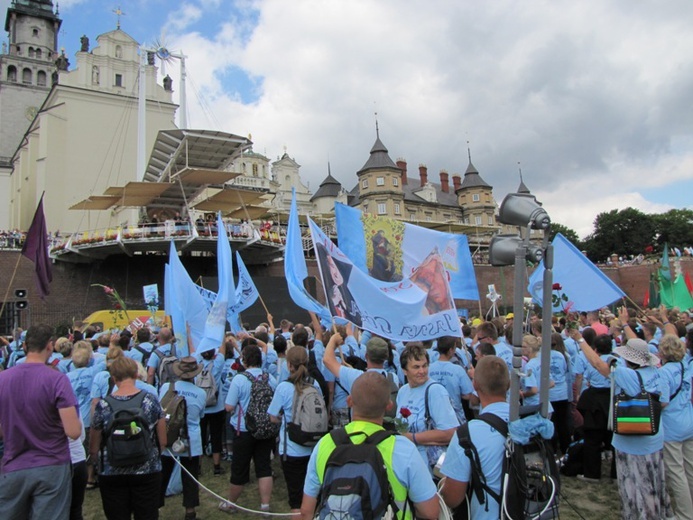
(32, 54)
(26, 76)
(119, 51)
(12, 73)
(41, 78)
(254, 170)
(38, 54)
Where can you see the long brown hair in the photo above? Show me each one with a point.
(297, 357)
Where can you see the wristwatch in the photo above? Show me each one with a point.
(581, 340)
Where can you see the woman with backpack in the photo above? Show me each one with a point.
(212, 424)
(247, 445)
(128, 488)
(639, 458)
(185, 370)
(294, 457)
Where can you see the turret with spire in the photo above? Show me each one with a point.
(475, 196)
(380, 177)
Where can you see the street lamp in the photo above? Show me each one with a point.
(523, 210)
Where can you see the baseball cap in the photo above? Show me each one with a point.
(377, 350)
(509, 316)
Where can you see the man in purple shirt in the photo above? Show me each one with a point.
(38, 412)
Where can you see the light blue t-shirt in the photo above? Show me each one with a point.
(504, 352)
(531, 380)
(591, 377)
(455, 380)
(281, 404)
(409, 470)
(490, 444)
(239, 396)
(439, 406)
(82, 380)
(677, 417)
(627, 379)
(560, 375)
(135, 354)
(154, 358)
(195, 399)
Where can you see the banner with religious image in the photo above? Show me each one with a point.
(390, 250)
(419, 306)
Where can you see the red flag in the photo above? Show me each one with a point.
(689, 284)
(36, 249)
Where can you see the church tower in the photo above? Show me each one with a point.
(27, 64)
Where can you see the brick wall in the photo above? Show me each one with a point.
(72, 295)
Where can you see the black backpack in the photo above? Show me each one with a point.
(127, 436)
(146, 354)
(257, 420)
(530, 477)
(355, 483)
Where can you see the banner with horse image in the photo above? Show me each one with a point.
(419, 306)
(390, 250)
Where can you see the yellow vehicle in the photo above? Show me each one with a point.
(119, 319)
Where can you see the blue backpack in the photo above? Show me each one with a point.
(355, 484)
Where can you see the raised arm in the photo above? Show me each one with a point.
(329, 359)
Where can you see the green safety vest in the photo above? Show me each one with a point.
(386, 448)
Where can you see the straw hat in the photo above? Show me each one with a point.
(187, 368)
(637, 351)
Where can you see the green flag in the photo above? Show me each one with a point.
(675, 294)
(664, 270)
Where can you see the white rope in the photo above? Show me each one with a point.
(226, 500)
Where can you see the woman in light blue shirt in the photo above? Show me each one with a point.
(294, 457)
(561, 393)
(677, 422)
(639, 458)
(432, 431)
(213, 422)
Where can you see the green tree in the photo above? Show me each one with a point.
(624, 232)
(570, 234)
(675, 227)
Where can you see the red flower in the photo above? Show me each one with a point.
(108, 290)
(557, 287)
(405, 412)
(118, 306)
(649, 249)
(236, 366)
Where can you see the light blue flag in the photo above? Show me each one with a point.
(246, 292)
(585, 287)
(418, 307)
(173, 310)
(215, 327)
(190, 310)
(295, 269)
(665, 270)
(246, 295)
(389, 249)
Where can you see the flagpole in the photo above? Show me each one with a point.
(9, 285)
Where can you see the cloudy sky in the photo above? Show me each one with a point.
(592, 98)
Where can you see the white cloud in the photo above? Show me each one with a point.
(592, 97)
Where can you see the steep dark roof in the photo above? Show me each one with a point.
(379, 158)
(472, 179)
(330, 187)
(522, 188)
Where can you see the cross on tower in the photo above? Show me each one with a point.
(118, 14)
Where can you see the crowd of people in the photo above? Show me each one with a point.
(96, 410)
